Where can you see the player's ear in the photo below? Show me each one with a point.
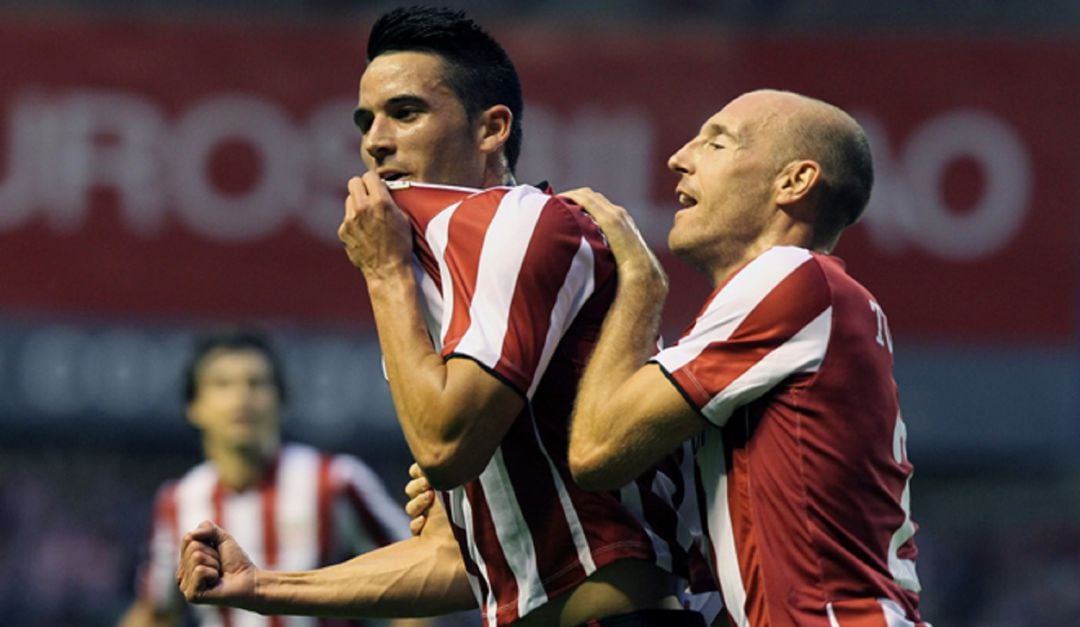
(796, 180)
(493, 128)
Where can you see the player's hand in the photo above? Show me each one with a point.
(214, 569)
(632, 255)
(375, 232)
(421, 499)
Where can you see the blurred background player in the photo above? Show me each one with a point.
(293, 506)
(784, 381)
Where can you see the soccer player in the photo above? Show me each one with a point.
(783, 382)
(293, 506)
(484, 332)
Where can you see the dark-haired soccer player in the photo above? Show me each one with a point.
(511, 284)
(293, 506)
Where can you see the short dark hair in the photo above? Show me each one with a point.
(479, 71)
(849, 174)
(233, 339)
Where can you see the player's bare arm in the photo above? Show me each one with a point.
(627, 414)
(420, 576)
(453, 413)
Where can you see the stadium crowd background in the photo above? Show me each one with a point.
(169, 166)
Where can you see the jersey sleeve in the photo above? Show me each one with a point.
(771, 320)
(365, 517)
(156, 579)
(517, 269)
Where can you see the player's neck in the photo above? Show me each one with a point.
(498, 174)
(242, 468)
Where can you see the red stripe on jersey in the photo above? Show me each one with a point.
(465, 240)
(498, 570)
(268, 495)
(746, 543)
(324, 501)
(795, 302)
(859, 613)
(552, 247)
(218, 500)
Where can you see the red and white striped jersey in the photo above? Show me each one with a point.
(313, 509)
(519, 282)
(805, 474)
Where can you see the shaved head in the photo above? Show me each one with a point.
(811, 129)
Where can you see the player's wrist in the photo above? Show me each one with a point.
(643, 277)
(266, 592)
(389, 277)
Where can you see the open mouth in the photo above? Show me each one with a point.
(392, 176)
(684, 199)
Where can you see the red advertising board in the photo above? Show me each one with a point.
(196, 170)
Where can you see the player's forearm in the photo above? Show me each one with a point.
(444, 421)
(627, 340)
(414, 577)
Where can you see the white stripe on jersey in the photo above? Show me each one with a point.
(578, 286)
(437, 235)
(462, 512)
(431, 306)
(242, 515)
(513, 533)
(738, 298)
(712, 465)
(505, 243)
(195, 497)
(803, 352)
(297, 509)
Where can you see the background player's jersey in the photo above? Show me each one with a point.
(313, 509)
(804, 472)
(519, 282)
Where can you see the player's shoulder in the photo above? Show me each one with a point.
(778, 274)
(777, 265)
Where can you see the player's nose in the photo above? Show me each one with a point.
(379, 139)
(680, 162)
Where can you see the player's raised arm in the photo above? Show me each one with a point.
(627, 415)
(421, 576)
(454, 413)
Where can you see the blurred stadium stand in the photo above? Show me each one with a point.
(171, 165)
